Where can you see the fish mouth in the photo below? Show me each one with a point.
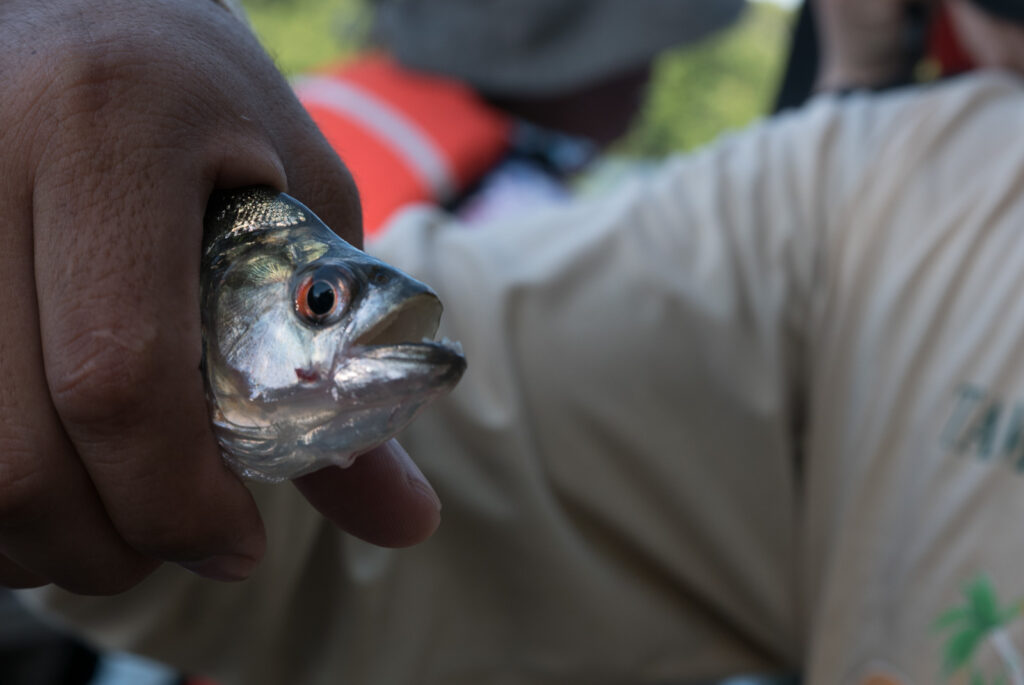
(406, 334)
(396, 360)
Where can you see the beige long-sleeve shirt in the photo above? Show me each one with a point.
(763, 411)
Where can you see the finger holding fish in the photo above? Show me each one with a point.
(382, 497)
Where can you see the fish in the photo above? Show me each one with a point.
(314, 352)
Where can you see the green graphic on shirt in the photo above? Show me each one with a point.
(978, 620)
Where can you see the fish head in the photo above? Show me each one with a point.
(314, 351)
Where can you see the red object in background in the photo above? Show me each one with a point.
(944, 47)
(405, 136)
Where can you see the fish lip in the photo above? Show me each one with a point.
(425, 351)
(412, 371)
(441, 361)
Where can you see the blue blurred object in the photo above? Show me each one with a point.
(120, 668)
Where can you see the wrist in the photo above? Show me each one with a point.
(836, 77)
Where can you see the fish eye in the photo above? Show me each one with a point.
(321, 296)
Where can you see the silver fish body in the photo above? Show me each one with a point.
(313, 351)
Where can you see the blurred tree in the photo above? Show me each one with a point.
(697, 92)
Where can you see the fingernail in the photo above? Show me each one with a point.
(414, 476)
(224, 567)
(423, 487)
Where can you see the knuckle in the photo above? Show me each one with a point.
(95, 79)
(171, 537)
(166, 523)
(187, 523)
(102, 377)
(87, 77)
(86, 67)
(22, 485)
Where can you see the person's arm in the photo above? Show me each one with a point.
(629, 425)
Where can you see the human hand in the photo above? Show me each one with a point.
(864, 43)
(118, 119)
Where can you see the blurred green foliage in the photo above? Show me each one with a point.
(697, 93)
(721, 84)
(303, 34)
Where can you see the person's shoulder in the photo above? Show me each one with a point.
(937, 104)
(860, 129)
